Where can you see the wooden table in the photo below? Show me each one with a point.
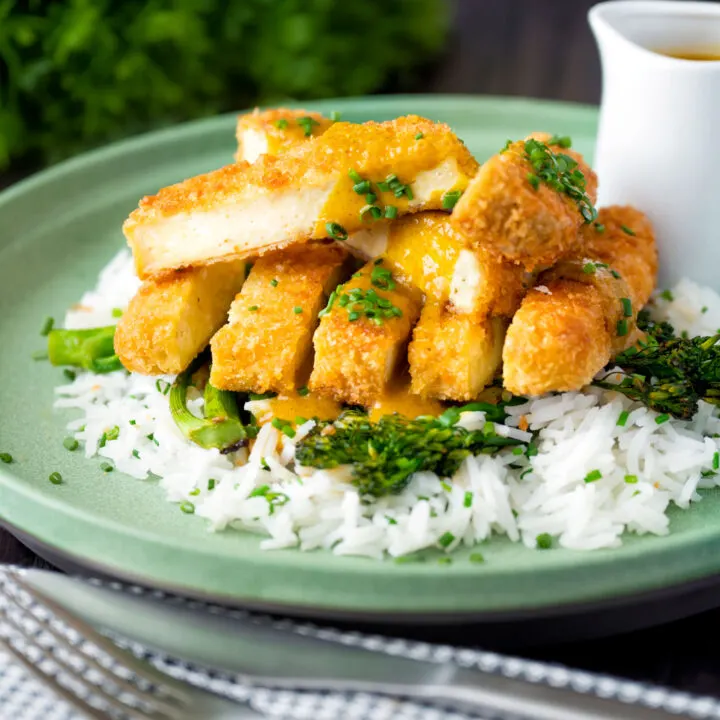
(543, 48)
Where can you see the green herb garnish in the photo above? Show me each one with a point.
(336, 231)
(560, 173)
(631, 479)
(627, 307)
(476, 557)
(544, 541)
(307, 124)
(70, 443)
(6, 458)
(450, 198)
(187, 507)
(47, 326)
(281, 124)
(55, 478)
(622, 418)
(592, 476)
(627, 230)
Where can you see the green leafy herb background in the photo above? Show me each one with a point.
(77, 73)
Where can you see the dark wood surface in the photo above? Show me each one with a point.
(541, 48)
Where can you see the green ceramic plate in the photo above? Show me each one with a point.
(60, 227)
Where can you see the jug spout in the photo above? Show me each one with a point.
(659, 119)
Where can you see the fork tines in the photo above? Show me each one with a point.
(85, 668)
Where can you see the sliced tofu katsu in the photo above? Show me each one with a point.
(348, 178)
(267, 342)
(272, 132)
(362, 336)
(454, 356)
(513, 213)
(171, 320)
(425, 251)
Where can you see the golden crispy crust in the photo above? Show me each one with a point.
(280, 138)
(266, 345)
(355, 360)
(633, 256)
(502, 211)
(453, 356)
(170, 321)
(319, 165)
(557, 341)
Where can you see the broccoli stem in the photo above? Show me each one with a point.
(92, 349)
(221, 427)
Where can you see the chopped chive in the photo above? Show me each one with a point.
(449, 199)
(544, 541)
(281, 124)
(446, 539)
(615, 274)
(355, 176)
(55, 478)
(113, 433)
(370, 198)
(335, 116)
(70, 443)
(47, 326)
(336, 231)
(7, 458)
(446, 486)
(525, 472)
(40, 355)
(599, 227)
(300, 420)
(660, 419)
(562, 141)
(716, 461)
(383, 186)
(162, 386)
(391, 520)
(288, 431)
(476, 557)
(532, 450)
(667, 295)
(704, 309)
(589, 268)
(627, 306)
(362, 187)
(195, 492)
(106, 467)
(534, 180)
(253, 308)
(622, 418)
(303, 391)
(467, 501)
(211, 484)
(277, 423)
(621, 327)
(445, 560)
(631, 479)
(592, 476)
(187, 507)
(391, 212)
(307, 123)
(69, 374)
(117, 312)
(627, 230)
(297, 310)
(518, 450)
(419, 136)
(274, 282)
(353, 316)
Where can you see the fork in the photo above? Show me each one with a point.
(88, 670)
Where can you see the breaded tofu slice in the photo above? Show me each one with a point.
(454, 356)
(585, 311)
(309, 192)
(557, 340)
(425, 250)
(272, 132)
(516, 216)
(267, 342)
(356, 356)
(171, 320)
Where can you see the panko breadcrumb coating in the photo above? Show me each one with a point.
(171, 320)
(454, 356)
(561, 338)
(267, 342)
(356, 357)
(303, 194)
(519, 219)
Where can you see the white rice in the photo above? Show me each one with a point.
(507, 494)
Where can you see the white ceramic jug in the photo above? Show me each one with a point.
(658, 144)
